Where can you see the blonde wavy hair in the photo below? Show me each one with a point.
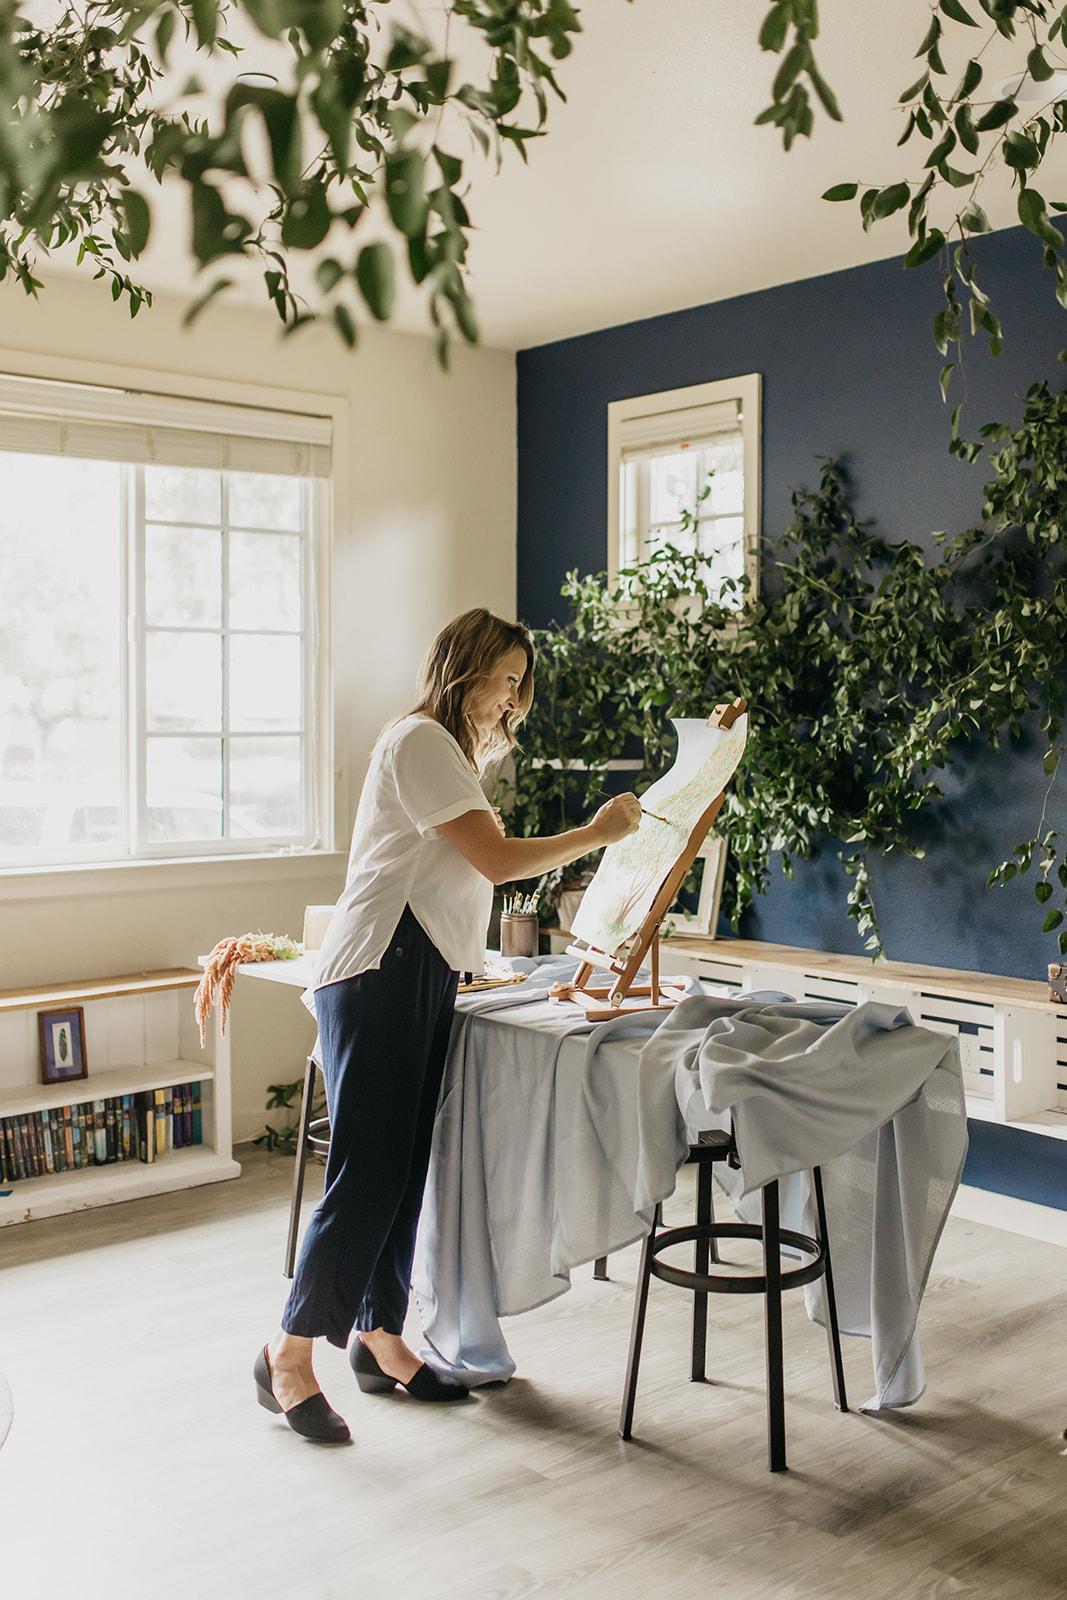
(459, 664)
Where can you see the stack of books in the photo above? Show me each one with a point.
(126, 1127)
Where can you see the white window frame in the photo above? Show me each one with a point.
(673, 408)
(216, 396)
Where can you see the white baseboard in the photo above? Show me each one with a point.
(1046, 1223)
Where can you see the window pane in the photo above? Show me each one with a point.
(266, 687)
(184, 789)
(722, 541)
(183, 673)
(266, 787)
(61, 625)
(265, 588)
(183, 577)
(264, 500)
(182, 494)
(672, 485)
(724, 461)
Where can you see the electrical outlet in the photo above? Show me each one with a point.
(970, 1055)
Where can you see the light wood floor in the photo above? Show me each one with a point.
(139, 1465)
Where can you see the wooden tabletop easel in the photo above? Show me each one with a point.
(602, 1002)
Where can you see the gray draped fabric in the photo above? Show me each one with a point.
(555, 1139)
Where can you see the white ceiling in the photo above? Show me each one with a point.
(654, 191)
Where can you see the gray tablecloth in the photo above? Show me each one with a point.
(555, 1139)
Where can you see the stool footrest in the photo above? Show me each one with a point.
(734, 1283)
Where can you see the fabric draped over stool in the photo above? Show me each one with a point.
(875, 1101)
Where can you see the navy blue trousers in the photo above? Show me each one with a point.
(384, 1037)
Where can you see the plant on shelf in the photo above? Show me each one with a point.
(867, 664)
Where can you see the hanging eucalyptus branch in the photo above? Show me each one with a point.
(968, 132)
(865, 671)
(356, 139)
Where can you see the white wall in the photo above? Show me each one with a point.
(423, 527)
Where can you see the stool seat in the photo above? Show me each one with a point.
(717, 1145)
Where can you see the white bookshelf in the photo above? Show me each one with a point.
(140, 1034)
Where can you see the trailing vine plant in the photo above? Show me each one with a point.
(359, 133)
(866, 668)
(968, 131)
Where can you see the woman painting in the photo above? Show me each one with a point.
(427, 848)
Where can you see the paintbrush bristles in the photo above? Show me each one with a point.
(520, 905)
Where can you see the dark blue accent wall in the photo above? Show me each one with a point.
(849, 370)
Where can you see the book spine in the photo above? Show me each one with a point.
(168, 1111)
(44, 1140)
(55, 1129)
(68, 1135)
(187, 1113)
(23, 1149)
(111, 1130)
(126, 1137)
(145, 1122)
(179, 1125)
(99, 1115)
(29, 1134)
(197, 1126)
(161, 1122)
(4, 1175)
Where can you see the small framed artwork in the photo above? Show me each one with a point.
(712, 857)
(62, 1035)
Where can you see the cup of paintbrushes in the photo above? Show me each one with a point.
(518, 933)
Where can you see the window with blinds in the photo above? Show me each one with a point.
(684, 471)
(157, 624)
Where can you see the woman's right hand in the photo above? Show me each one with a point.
(617, 818)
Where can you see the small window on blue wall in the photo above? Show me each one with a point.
(684, 470)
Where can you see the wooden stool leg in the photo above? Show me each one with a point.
(703, 1254)
(600, 1268)
(772, 1269)
(833, 1334)
(301, 1163)
(637, 1331)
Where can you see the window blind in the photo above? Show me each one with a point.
(38, 417)
(687, 427)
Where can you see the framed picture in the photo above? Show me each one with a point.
(712, 858)
(62, 1035)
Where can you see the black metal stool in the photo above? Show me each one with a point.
(720, 1146)
(313, 1133)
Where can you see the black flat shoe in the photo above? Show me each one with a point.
(314, 1418)
(424, 1385)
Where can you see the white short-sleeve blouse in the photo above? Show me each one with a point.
(418, 777)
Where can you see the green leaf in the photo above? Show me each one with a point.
(967, 131)
(138, 220)
(925, 249)
(205, 21)
(164, 34)
(972, 77)
(345, 326)
(931, 37)
(944, 147)
(1042, 892)
(328, 274)
(996, 116)
(1037, 66)
(1050, 763)
(375, 276)
(953, 9)
(895, 198)
(841, 191)
(205, 299)
(772, 34)
(307, 219)
(405, 191)
(946, 374)
(914, 89)
(974, 219)
(1052, 921)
